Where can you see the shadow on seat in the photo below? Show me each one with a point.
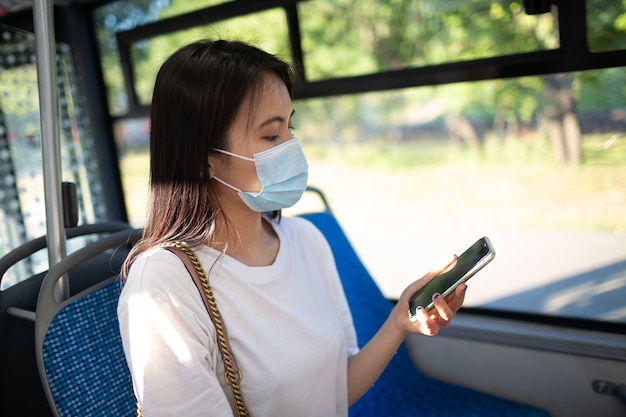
(78, 345)
(402, 390)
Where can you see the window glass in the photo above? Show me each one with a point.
(424, 172)
(373, 36)
(606, 25)
(267, 30)
(109, 19)
(132, 137)
(173, 8)
(22, 196)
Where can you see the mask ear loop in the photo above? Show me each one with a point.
(236, 156)
(226, 184)
(245, 158)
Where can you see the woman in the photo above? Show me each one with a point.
(223, 163)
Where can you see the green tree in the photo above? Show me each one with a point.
(374, 36)
(112, 18)
(267, 30)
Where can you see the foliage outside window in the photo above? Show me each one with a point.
(606, 20)
(375, 36)
(148, 56)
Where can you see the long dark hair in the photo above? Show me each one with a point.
(199, 92)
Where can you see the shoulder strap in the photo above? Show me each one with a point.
(233, 374)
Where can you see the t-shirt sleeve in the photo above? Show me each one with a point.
(169, 341)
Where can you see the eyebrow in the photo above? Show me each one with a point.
(276, 119)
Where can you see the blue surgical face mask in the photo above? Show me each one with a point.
(283, 172)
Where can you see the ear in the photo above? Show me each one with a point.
(211, 166)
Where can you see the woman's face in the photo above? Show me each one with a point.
(269, 125)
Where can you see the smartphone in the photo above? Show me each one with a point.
(467, 264)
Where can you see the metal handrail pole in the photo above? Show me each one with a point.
(43, 19)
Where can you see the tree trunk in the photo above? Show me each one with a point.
(461, 130)
(562, 120)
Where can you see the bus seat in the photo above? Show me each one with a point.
(17, 310)
(402, 390)
(78, 346)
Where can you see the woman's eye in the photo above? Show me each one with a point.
(277, 136)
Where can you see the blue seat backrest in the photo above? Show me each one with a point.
(84, 358)
(402, 390)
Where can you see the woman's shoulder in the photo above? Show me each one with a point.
(153, 271)
(156, 257)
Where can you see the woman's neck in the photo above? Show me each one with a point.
(250, 239)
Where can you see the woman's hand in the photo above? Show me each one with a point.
(367, 365)
(438, 318)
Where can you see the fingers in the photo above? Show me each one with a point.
(447, 308)
(442, 314)
(425, 324)
(431, 324)
(456, 299)
(443, 309)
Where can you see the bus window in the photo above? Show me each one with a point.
(268, 28)
(132, 136)
(109, 19)
(22, 198)
(147, 56)
(426, 171)
(378, 36)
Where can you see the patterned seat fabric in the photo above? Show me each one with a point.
(84, 358)
(402, 390)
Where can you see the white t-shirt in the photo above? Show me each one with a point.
(289, 326)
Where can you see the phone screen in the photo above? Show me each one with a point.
(468, 263)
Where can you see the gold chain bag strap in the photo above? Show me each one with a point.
(232, 374)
